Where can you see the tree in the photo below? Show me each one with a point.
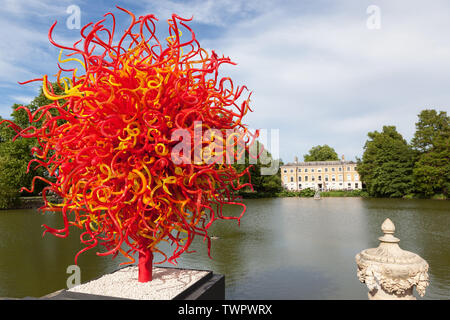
(387, 163)
(321, 153)
(261, 183)
(431, 142)
(14, 158)
(12, 174)
(432, 130)
(15, 155)
(20, 117)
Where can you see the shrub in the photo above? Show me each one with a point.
(9, 198)
(307, 193)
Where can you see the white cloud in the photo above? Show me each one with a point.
(211, 12)
(23, 47)
(34, 8)
(328, 79)
(317, 73)
(25, 52)
(22, 99)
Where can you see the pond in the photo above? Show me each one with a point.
(285, 248)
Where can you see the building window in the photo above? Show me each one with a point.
(312, 178)
(299, 170)
(340, 177)
(285, 171)
(306, 178)
(306, 170)
(312, 169)
(326, 178)
(340, 169)
(348, 168)
(299, 178)
(349, 177)
(292, 179)
(332, 169)
(326, 169)
(320, 178)
(356, 177)
(356, 185)
(319, 170)
(292, 170)
(299, 185)
(333, 178)
(349, 185)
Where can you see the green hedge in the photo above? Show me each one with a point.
(305, 193)
(344, 193)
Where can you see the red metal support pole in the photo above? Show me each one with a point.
(145, 266)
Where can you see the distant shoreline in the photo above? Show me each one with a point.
(306, 193)
(329, 194)
(29, 203)
(37, 201)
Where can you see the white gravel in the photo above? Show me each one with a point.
(166, 284)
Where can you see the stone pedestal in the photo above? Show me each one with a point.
(167, 284)
(389, 272)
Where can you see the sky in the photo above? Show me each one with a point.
(320, 72)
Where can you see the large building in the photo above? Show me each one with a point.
(320, 175)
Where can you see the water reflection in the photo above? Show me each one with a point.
(288, 248)
(34, 266)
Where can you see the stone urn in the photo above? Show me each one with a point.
(389, 272)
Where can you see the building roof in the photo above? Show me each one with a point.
(316, 163)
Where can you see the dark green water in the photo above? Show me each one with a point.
(288, 248)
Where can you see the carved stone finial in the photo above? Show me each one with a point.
(389, 272)
(388, 229)
(388, 226)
